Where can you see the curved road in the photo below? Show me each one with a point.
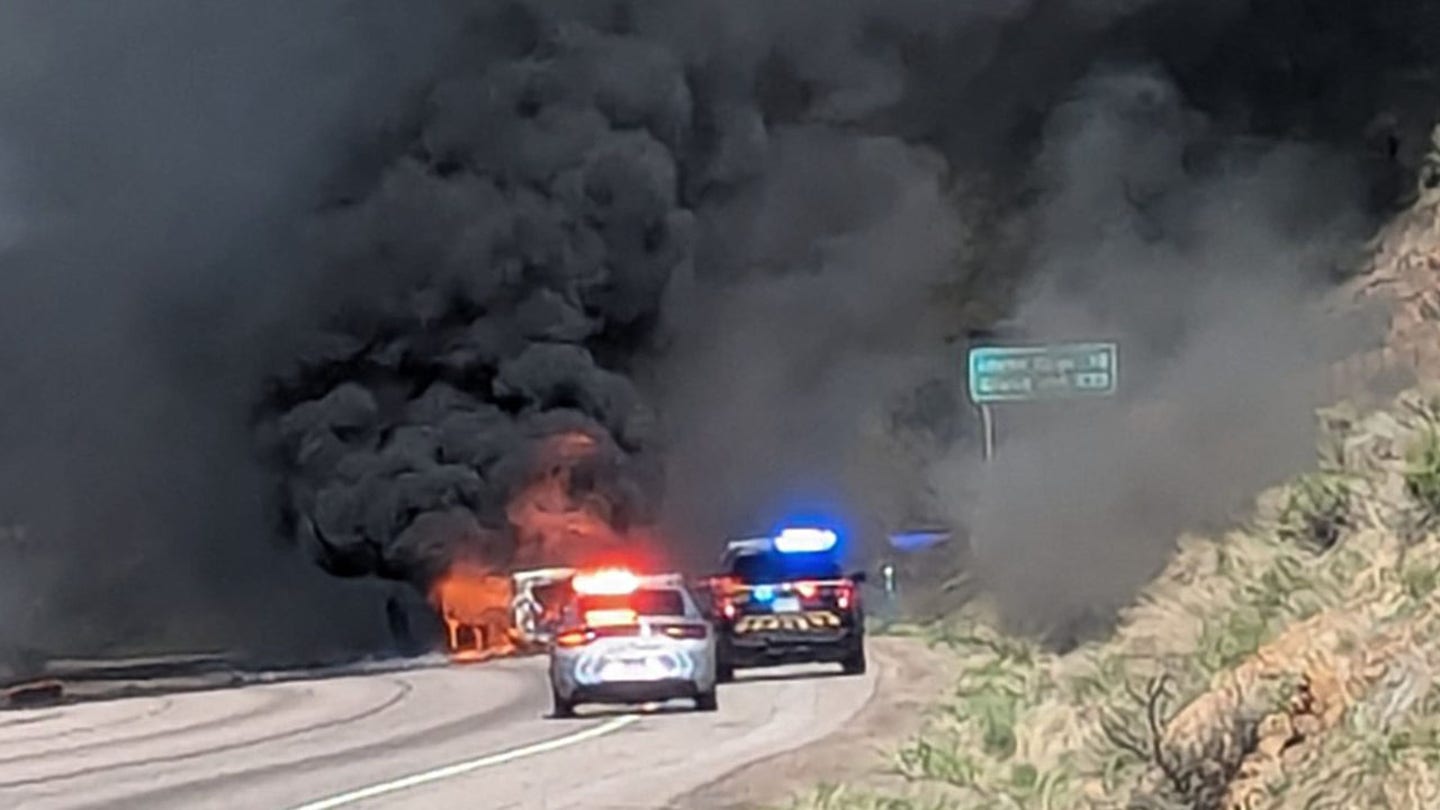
(450, 736)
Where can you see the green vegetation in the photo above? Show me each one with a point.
(1317, 510)
(1422, 472)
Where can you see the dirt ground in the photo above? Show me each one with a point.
(910, 679)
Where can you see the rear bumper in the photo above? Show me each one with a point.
(635, 691)
(777, 650)
(686, 669)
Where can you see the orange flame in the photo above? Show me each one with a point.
(475, 605)
(553, 526)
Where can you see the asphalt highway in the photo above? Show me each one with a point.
(458, 736)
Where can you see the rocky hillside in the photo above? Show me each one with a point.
(1401, 280)
(1290, 663)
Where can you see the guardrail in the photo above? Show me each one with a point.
(139, 668)
(31, 694)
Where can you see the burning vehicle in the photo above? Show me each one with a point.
(507, 605)
(540, 595)
(489, 614)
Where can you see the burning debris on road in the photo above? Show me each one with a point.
(475, 605)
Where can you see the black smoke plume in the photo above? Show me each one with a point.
(529, 228)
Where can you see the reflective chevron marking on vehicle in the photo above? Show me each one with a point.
(814, 620)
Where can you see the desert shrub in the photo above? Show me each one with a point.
(1231, 638)
(839, 797)
(1317, 510)
(1422, 472)
(923, 760)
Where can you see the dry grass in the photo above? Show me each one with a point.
(1263, 669)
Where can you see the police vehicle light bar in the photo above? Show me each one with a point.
(608, 582)
(791, 541)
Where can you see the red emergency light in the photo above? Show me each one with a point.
(606, 582)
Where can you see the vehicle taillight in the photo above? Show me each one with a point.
(727, 609)
(585, 635)
(685, 630)
(843, 597)
(614, 631)
(573, 638)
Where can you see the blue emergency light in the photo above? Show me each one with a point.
(800, 541)
(920, 539)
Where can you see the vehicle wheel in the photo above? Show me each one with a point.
(724, 663)
(562, 708)
(855, 663)
(706, 702)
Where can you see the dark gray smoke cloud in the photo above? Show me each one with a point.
(781, 369)
(470, 277)
(1203, 258)
(157, 158)
(1146, 193)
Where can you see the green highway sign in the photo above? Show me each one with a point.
(1027, 373)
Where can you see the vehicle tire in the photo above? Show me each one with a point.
(706, 702)
(724, 663)
(854, 664)
(563, 708)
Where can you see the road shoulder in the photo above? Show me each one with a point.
(910, 678)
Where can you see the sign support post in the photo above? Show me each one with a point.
(987, 430)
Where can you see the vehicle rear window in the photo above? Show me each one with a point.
(646, 602)
(775, 567)
(551, 594)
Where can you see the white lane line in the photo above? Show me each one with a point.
(461, 768)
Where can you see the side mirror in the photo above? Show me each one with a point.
(859, 576)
